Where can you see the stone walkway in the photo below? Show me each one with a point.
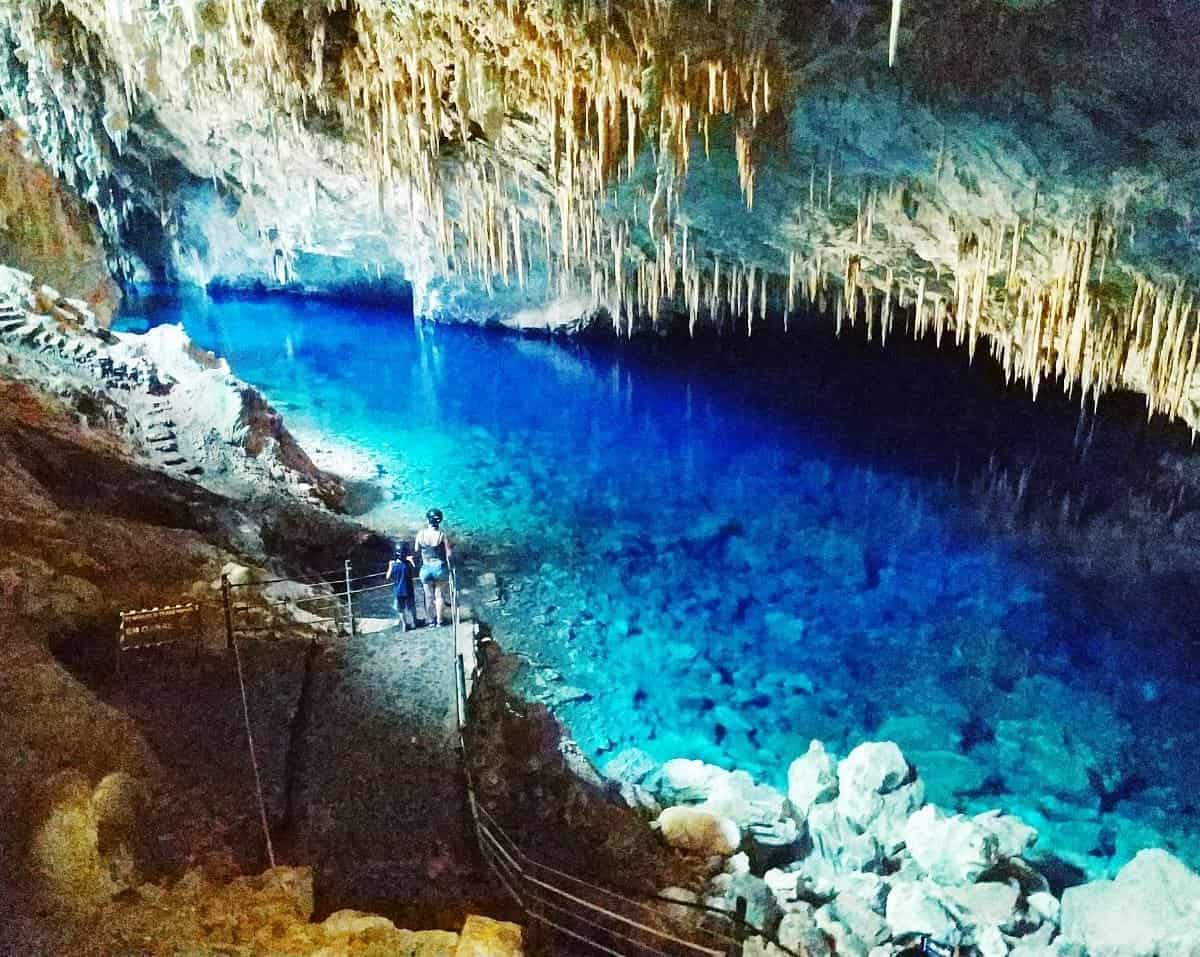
(379, 804)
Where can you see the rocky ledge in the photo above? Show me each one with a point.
(181, 409)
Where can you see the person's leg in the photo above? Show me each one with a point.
(430, 601)
(440, 602)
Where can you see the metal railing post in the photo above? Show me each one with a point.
(739, 928)
(349, 599)
(460, 680)
(228, 611)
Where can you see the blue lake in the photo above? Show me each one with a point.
(718, 560)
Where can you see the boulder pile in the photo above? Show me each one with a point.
(853, 861)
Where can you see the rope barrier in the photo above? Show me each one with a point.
(325, 578)
(649, 908)
(262, 805)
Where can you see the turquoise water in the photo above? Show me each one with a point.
(702, 559)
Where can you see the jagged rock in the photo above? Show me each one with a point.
(484, 937)
(874, 767)
(837, 843)
(1045, 905)
(1152, 907)
(699, 832)
(870, 888)
(685, 781)
(857, 916)
(914, 907)
(888, 823)
(976, 907)
(798, 931)
(783, 884)
(875, 792)
(951, 850)
(1013, 836)
(812, 778)
(632, 765)
(759, 810)
(991, 943)
(845, 942)
(640, 799)
(762, 910)
(738, 863)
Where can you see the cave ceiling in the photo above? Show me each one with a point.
(1016, 176)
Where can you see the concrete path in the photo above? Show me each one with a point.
(378, 802)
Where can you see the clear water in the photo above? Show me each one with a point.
(698, 564)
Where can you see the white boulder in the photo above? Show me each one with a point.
(875, 767)
(1151, 909)
(758, 809)
(914, 907)
(951, 850)
(812, 778)
(877, 792)
(1013, 836)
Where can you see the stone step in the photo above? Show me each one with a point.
(163, 437)
(166, 448)
(175, 462)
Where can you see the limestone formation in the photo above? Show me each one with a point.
(729, 163)
(1151, 907)
(812, 778)
(950, 849)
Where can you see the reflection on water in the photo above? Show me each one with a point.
(705, 561)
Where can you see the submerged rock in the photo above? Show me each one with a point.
(685, 781)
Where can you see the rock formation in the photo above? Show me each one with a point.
(990, 172)
(969, 884)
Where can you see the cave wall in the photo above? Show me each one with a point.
(45, 230)
(1022, 179)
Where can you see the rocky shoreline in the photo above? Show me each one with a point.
(852, 860)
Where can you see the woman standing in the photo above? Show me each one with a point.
(435, 564)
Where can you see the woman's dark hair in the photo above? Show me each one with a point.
(434, 516)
